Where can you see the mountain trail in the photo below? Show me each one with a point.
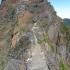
(38, 61)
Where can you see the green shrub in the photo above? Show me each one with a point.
(3, 29)
(65, 30)
(39, 41)
(44, 23)
(63, 27)
(22, 30)
(26, 2)
(54, 13)
(11, 34)
(45, 37)
(62, 66)
(2, 64)
(52, 47)
(16, 23)
(10, 10)
(32, 18)
(5, 57)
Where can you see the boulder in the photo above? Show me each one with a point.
(35, 19)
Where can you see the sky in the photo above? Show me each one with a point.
(62, 7)
(0, 1)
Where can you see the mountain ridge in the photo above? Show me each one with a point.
(32, 30)
(67, 21)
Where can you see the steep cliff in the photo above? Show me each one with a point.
(32, 36)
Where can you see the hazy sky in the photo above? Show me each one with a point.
(0, 1)
(62, 7)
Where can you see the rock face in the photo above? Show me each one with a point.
(20, 8)
(35, 19)
(52, 32)
(31, 37)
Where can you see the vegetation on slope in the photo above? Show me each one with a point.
(65, 30)
(62, 66)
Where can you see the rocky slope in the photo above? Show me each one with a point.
(32, 36)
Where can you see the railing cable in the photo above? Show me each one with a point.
(13, 59)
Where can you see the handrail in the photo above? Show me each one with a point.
(13, 59)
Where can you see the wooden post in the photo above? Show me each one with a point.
(55, 60)
(23, 63)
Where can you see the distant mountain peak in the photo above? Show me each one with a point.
(67, 21)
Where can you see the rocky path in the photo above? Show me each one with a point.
(38, 61)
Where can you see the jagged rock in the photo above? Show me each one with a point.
(37, 7)
(68, 49)
(20, 8)
(35, 19)
(52, 32)
(10, 16)
(13, 1)
(23, 43)
(63, 53)
(68, 60)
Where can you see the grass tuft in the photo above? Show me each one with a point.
(62, 66)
